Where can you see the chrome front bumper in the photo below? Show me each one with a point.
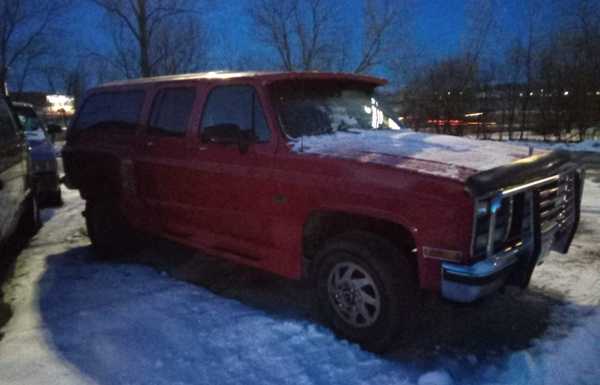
(467, 283)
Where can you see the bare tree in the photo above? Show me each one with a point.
(512, 90)
(445, 90)
(28, 63)
(300, 31)
(75, 79)
(481, 24)
(25, 26)
(528, 53)
(162, 36)
(436, 93)
(171, 56)
(311, 34)
(520, 63)
(568, 72)
(385, 32)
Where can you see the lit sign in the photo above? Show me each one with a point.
(61, 104)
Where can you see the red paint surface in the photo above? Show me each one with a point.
(215, 199)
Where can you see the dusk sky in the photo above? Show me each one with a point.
(438, 26)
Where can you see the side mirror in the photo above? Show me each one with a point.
(54, 129)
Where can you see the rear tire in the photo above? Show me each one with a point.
(55, 199)
(110, 233)
(365, 288)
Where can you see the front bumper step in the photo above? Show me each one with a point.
(467, 283)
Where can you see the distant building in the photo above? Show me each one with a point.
(53, 107)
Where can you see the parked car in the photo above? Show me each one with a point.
(306, 175)
(43, 155)
(18, 202)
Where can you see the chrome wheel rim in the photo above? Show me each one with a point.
(354, 294)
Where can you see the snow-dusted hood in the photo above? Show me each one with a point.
(443, 155)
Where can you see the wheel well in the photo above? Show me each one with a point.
(325, 225)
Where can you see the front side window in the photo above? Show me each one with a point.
(238, 105)
(318, 108)
(171, 111)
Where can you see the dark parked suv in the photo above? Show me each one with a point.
(43, 155)
(18, 201)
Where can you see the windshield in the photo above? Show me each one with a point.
(28, 118)
(31, 124)
(318, 109)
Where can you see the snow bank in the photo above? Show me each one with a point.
(576, 275)
(586, 145)
(438, 377)
(82, 321)
(118, 324)
(461, 152)
(555, 360)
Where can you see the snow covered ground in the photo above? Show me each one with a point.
(78, 320)
(587, 145)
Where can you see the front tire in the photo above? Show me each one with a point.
(366, 289)
(31, 220)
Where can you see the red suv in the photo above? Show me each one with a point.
(308, 175)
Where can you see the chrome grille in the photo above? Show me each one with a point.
(553, 200)
(557, 202)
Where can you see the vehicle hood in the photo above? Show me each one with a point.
(441, 155)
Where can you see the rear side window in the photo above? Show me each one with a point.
(7, 124)
(237, 105)
(171, 111)
(111, 109)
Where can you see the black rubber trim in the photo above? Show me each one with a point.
(521, 172)
(527, 263)
(477, 281)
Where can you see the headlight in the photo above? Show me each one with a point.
(503, 208)
(481, 208)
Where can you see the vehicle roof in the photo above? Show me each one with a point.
(268, 77)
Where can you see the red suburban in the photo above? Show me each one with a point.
(308, 175)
